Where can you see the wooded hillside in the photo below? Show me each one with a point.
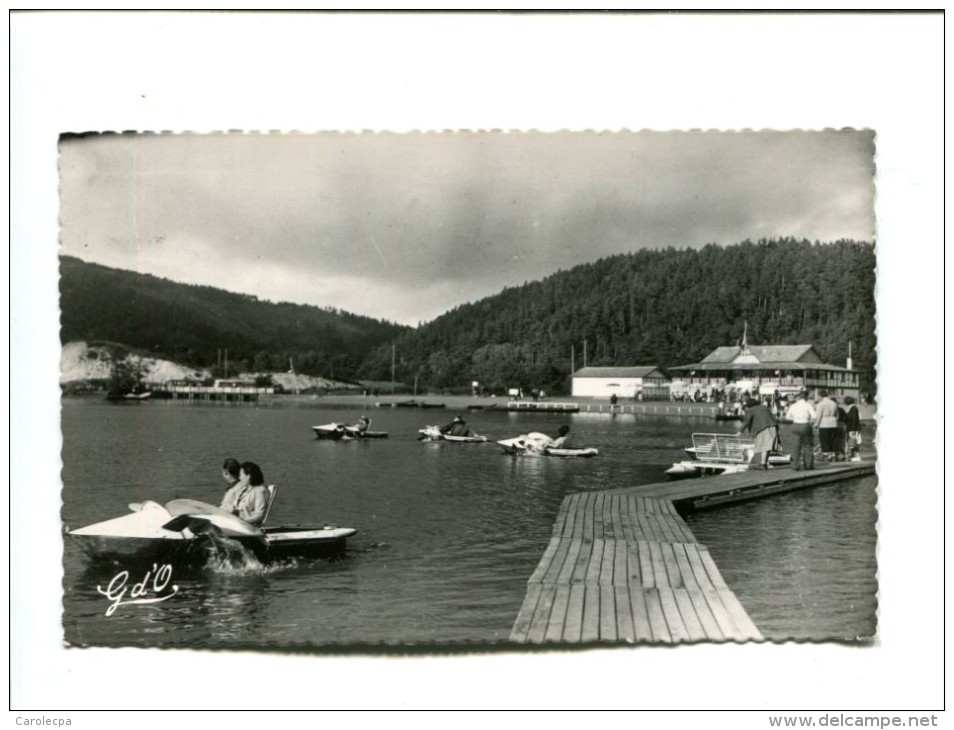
(653, 307)
(194, 325)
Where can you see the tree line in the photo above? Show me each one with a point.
(201, 326)
(652, 307)
(662, 307)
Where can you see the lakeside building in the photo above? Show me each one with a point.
(646, 381)
(222, 389)
(765, 369)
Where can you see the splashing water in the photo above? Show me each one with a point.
(226, 555)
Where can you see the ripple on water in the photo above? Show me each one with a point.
(448, 535)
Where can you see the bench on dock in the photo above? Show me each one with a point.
(722, 447)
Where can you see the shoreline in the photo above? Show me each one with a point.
(463, 403)
(466, 403)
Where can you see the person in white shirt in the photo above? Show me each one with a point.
(802, 415)
(826, 421)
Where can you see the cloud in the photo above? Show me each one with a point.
(404, 227)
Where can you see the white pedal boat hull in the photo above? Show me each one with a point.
(433, 433)
(537, 444)
(340, 432)
(180, 532)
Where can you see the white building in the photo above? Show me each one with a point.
(645, 381)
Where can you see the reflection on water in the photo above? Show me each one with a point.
(802, 563)
(448, 533)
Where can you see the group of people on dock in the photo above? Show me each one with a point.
(735, 403)
(839, 429)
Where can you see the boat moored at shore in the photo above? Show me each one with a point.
(720, 453)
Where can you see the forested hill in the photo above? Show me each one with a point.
(191, 324)
(654, 307)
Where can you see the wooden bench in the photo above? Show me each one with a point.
(721, 447)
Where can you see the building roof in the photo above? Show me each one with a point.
(764, 353)
(638, 371)
(761, 357)
(718, 366)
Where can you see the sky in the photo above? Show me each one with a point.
(404, 227)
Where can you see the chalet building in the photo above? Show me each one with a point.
(763, 369)
(647, 382)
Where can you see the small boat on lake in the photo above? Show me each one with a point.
(433, 433)
(343, 432)
(721, 453)
(190, 532)
(538, 444)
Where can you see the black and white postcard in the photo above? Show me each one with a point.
(415, 378)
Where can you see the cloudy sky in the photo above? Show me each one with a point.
(406, 226)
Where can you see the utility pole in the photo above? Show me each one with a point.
(572, 359)
(584, 353)
(392, 368)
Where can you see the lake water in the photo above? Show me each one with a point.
(448, 534)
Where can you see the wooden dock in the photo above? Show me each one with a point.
(623, 566)
(727, 488)
(648, 408)
(664, 408)
(547, 406)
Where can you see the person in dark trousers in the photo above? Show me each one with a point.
(826, 420)
(802, 415)
(841, 435)
(853, 428)
(760, 422)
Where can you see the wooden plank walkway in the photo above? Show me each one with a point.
(622, 565)
(712, 491)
